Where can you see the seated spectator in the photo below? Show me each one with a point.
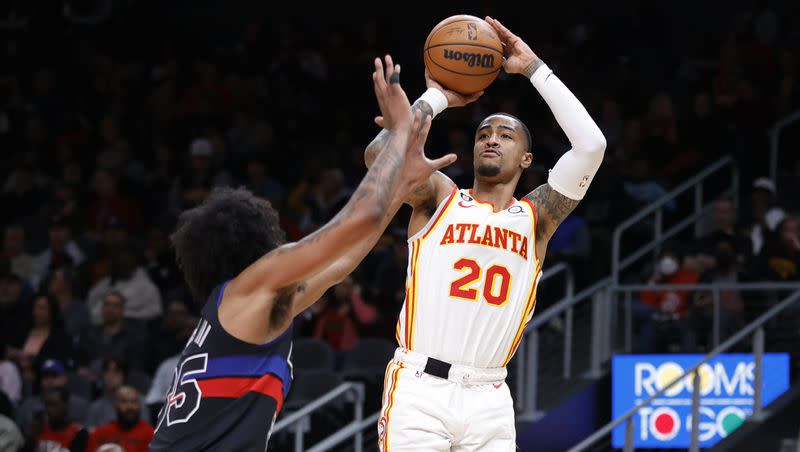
(14, 253)
(113, 337)
(194, 184)
(114, 240)
(724, 228)
(101, 411)
(15, 312)
(660, 314)
(10, 378)
(159, 260)
(765, 212)
(142, 298)
(779, 260)
(161, 385)
(61, 283)
(52, 376)
(108, 203)
(726, 268)
(344, 316)
(60, 251)
(46, 338)
(128, 431)
(58, 430)
(11, 438)
(169, 339)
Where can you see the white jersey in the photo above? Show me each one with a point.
(471, 284)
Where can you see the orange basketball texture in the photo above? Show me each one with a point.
(463, 53)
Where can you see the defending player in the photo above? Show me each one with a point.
(475, 258)
(235, 371)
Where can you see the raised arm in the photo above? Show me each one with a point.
(570, 177)
(253, 294)
(426, 195)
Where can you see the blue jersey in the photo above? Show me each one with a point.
(225, 393)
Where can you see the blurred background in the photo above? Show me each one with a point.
(116, 115)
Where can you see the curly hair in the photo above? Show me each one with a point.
(218, 239)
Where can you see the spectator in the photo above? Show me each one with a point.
(142, 298)
(261, 184)
(46, 338)
(724, 228)
(15, 312)
(160, 260)
(61, 284)
(57, 430)
(14, 253)
(128, 430)
(62, 250)
(766, 214)
(10, 379)
(113, 337)
(780, 258)
(102, 410)
(52, 376)
(110, 204)
(114, 240)
(169, 339)
(193, 185)
(345, 316)
(660, 314)
(161, 385)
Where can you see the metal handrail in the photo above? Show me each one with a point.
(655, 207)
(774, 141)
(733, 340)
(316, 404)
(345, 433)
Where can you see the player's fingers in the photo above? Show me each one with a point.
(425, 127)
(380, 121)
(380, 82)
(394, 81)
(389, 68)
(416, 124)
(440, 163)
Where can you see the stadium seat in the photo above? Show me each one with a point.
(368, 359)
(309, 385)
(312, 354)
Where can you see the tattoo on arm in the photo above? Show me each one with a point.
(551, 209)
(531, 68)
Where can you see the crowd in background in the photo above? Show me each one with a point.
(108, 132)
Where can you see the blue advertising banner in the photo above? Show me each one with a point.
(726, 390)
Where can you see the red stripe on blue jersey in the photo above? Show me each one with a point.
(235, 387)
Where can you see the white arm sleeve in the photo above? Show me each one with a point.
(575, 169)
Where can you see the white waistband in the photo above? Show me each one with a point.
(458, 373)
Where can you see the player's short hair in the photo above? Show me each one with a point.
(525, 129)
(218, 239)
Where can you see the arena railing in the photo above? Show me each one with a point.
(298, 421)
(755, 328)
(768, 288)
(774, 141)
(619, 263)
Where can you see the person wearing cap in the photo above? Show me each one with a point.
(766, 213)
(52, 375)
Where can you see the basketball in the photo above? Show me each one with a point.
(463, 53)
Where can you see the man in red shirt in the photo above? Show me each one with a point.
(57, 430)
(128, 431)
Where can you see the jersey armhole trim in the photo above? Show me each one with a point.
(436, 216)
(221, 290)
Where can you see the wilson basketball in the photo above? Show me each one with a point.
(463, 53)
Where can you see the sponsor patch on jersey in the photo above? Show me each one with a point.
(466, 197)
(515, 209)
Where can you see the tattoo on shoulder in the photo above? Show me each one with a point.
(551, 206)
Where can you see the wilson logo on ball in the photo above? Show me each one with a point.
(472, 59)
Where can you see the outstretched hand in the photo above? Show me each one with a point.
(454, 99)
(418, 168)
(520, 59)
(392, 100)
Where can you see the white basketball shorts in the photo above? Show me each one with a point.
(472, 410)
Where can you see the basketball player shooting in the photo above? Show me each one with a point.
(235, 371)
(475, 259)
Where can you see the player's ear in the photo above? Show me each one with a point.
(527, 160)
